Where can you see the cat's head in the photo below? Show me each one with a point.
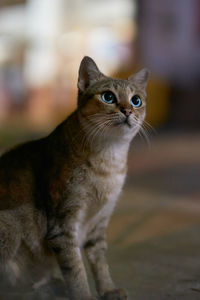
(111, 107)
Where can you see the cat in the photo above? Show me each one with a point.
(57, 193)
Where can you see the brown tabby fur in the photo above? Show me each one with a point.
(58, 193)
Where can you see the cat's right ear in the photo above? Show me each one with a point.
(88, 73)
(140, 78)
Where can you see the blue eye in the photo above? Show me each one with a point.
(136, 101)
(108, 97)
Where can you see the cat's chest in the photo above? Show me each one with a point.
(103, 181)
(102, 177)
(96, 185)
(95, 188)
(105, 187)
(96, 194)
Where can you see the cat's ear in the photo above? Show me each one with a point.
(140, 78)
(88, 73)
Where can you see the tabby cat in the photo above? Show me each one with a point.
(57, 193)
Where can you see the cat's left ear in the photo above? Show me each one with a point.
(88, 73)
(140, 78)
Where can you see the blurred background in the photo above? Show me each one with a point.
(41, 46)
(43, 42)
(155, 230)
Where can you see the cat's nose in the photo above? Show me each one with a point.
(126, 111)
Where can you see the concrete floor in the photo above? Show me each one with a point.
(154, 240)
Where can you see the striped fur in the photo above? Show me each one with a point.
(57, 193)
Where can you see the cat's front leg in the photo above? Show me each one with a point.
(69, 258)
(95, 251)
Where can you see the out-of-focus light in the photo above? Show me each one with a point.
(12, 20)
(5, 48)
(102, 43)
(43, 26)
(97, 14)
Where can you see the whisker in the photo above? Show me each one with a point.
(145, 135)
(101, 127)
(149, 128)
(143, 132)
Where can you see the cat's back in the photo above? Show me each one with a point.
(21, 158)
(17, 171)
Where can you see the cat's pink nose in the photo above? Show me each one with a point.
(126, 111)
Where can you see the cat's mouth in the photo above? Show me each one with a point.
(124, 122)
(127, 122)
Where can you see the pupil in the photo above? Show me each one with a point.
(136, 101)
(109, 96)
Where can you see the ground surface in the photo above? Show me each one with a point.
(154, 234)
(154, 239)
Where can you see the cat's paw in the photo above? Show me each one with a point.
(117, 294)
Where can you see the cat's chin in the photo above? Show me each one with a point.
(127, 123)
(124, 130)
(123, 124)
(126, 126)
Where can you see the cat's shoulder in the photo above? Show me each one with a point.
(21, 153)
